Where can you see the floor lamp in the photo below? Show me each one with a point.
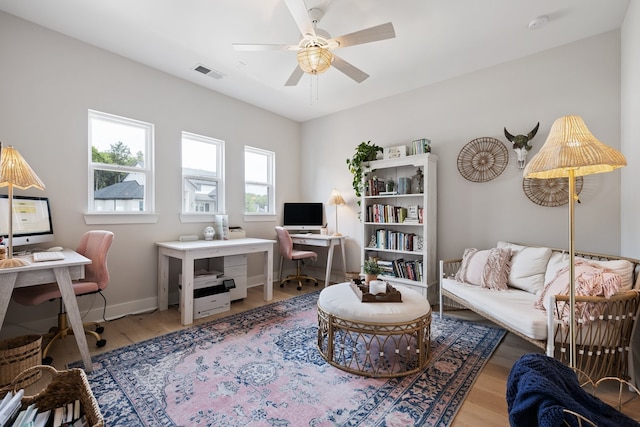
(15, 172)
(335, 199)
(570, 151)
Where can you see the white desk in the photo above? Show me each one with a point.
(61, 272)
(188, 252)
(325, 241)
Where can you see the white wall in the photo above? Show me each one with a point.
(48, 82)
(582, 78)
(630, 135)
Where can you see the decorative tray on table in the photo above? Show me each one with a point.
(362, 292)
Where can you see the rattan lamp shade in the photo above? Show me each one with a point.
(314, 59)
(571, 151)
(15, 172)
(570, 145)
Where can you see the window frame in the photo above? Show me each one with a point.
(147, 215)
(220, 180)
(271, 184)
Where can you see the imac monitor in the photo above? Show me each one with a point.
(303, 216)
(31, 220)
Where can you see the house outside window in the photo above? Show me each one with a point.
(202, 174)
(259, 177)
(120, 164)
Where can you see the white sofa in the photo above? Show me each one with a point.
(603, 339)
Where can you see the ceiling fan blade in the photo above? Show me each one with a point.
(300, 14)
(295, 77)
(373, 34)
(353, 72)
(262, 47)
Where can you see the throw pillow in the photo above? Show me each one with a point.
(488, 268)
(623, 267)
(590, 280)
(528, 266)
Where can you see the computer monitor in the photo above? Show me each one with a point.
(303, 216)
(31, 220)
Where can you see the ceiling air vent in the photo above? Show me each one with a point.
(208, 71)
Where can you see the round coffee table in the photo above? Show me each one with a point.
(376, 339)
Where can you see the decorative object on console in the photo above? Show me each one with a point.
(570, 151)
(521, 144)
(482, 159)
(549, 192)
(15, 172)
(417, 182)
(209, 233)
(335, 199)
(365, 152)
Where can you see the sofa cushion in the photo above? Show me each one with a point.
(513, 307)
(590, 280)
(488, 268)
(624, 268)
(528, 266)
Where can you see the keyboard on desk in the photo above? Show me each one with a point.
(47, 256)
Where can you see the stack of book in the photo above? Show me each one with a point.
(380, 213)
(69, 415)
(420, 146)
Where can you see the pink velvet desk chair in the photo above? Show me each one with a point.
(287, 251)
(94, 245)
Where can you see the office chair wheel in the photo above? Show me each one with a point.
(101, 343)
(299, 288)
(47, 360)
(282, 285)
(99, 329)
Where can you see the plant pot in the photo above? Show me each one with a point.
(370, 277)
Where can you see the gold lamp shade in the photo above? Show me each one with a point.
(570, 145)
(314, 59)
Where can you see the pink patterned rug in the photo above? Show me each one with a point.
(262, 368)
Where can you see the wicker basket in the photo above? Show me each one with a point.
(62, 387)
(16, 355)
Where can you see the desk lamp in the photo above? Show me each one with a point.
(335, 199)
(570, 151)
(15, 172)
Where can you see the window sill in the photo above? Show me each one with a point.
(96, 218)
(259, 217)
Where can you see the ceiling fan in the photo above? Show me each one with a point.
(315, 49)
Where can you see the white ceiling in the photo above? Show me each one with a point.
(435, 40)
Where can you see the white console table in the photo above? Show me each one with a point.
(325, 241)
(188, 252)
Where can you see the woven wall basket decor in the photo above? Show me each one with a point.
(549, 192)
(482, 159)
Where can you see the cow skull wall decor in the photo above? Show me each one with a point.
(521, 144)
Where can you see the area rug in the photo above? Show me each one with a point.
(262, 368)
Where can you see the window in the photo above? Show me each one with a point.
(202, 174)
(120, 164)
(259, 173)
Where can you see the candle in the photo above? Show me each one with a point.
(377, 287)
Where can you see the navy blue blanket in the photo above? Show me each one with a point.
(540, 387)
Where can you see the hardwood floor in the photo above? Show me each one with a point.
(485, 405)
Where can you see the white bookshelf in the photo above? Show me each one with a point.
(411, 246)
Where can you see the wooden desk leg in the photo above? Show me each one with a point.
(7, 281)
(327, 278)
(69, 298)
(163, 281)
(186, 296)
(268, 274)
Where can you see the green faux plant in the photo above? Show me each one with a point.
(372, 267)
(365, 152)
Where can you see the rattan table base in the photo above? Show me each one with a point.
(374, 349)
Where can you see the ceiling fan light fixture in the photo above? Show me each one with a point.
(314, 59)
